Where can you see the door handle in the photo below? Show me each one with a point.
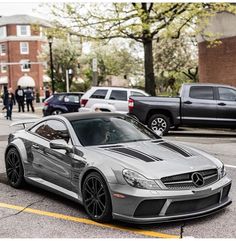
(35, 146)
(221, 104)
(188, 102)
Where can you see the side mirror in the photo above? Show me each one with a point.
(60, 144)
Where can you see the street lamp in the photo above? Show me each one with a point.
(50, 40)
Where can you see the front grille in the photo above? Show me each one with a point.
(149, 208)
(184, 181)
(195, 205)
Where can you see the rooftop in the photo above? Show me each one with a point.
(23, 19)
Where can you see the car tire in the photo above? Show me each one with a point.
(159, 122)
(57, 112)
(96, 198)
(14, 169)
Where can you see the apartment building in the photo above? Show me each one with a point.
(21, 40)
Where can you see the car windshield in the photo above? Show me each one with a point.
(111, 130)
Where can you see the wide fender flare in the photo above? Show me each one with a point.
(20, 147)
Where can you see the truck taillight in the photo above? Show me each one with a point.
(131, 104)
(83, 102)
(45, 103)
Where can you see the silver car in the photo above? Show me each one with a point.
(117, 168)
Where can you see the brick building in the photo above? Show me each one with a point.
(218, 64)
(21, 39)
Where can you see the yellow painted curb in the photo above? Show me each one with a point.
(88, 221)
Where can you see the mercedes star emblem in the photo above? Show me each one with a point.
(197, 179)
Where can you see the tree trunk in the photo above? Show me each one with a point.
(150, 84)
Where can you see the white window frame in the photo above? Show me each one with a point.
(1, 48)
(19, 30)
(3, 32)
(22, 62)
(3, 67)
(22, 51)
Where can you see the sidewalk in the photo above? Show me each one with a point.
(37, 106)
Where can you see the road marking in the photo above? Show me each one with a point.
(88, 221)
(230, 166)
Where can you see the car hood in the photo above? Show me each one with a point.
(157, 159)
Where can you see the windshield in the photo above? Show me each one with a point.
(110, 130)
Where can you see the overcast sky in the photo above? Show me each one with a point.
(19, 7)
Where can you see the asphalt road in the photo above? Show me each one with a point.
(35, 213)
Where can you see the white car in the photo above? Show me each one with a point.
(109, 99)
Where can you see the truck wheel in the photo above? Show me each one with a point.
(159, 122)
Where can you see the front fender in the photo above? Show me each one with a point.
(20, 147)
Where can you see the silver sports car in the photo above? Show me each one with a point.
(117, 168)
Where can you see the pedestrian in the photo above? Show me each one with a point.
(9, 103)
(47, 93)
(20, 98)
(5, 96)
(29, 94)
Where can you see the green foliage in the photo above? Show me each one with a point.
(175, 62)
(112, 59)
(65, 56)
(142, 22)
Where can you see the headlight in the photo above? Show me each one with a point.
(137, 180)
(222, 171)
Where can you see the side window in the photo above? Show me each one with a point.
(201, 92)
(72, 98)
(227, 94)
(118, 95)
(39, 129)
(136, 93)
(52, 130)
(99, 94)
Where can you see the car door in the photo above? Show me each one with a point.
(72, 102)
(199, 107)
(119, 99)
(226, 106)
(49, 164)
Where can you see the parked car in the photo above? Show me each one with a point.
(209, 105)
(109, 99)
(117, 168)
(62, 103)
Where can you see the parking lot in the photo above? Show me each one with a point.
(35, 213)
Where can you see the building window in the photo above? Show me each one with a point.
(3, 49)
(3, 32)
(3, 67)
(23, 30)
(24, 48)
(25, 65)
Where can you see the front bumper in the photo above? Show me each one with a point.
(156, 206)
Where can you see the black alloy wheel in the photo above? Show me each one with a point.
(159, 122)
(96, 198)
(57, 112)
(14, 169)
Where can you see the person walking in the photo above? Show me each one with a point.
(4, 97)
(20, 98)
(47, 93)
(9, 103)
(29, 99)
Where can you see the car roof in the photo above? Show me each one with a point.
(70, 93)
(209, 84)
(115, 88)
(89, 115)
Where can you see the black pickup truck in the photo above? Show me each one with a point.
(198, 105)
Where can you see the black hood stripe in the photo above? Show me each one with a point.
(175, 148)
(134, 153)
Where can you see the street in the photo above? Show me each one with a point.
(35, 213)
